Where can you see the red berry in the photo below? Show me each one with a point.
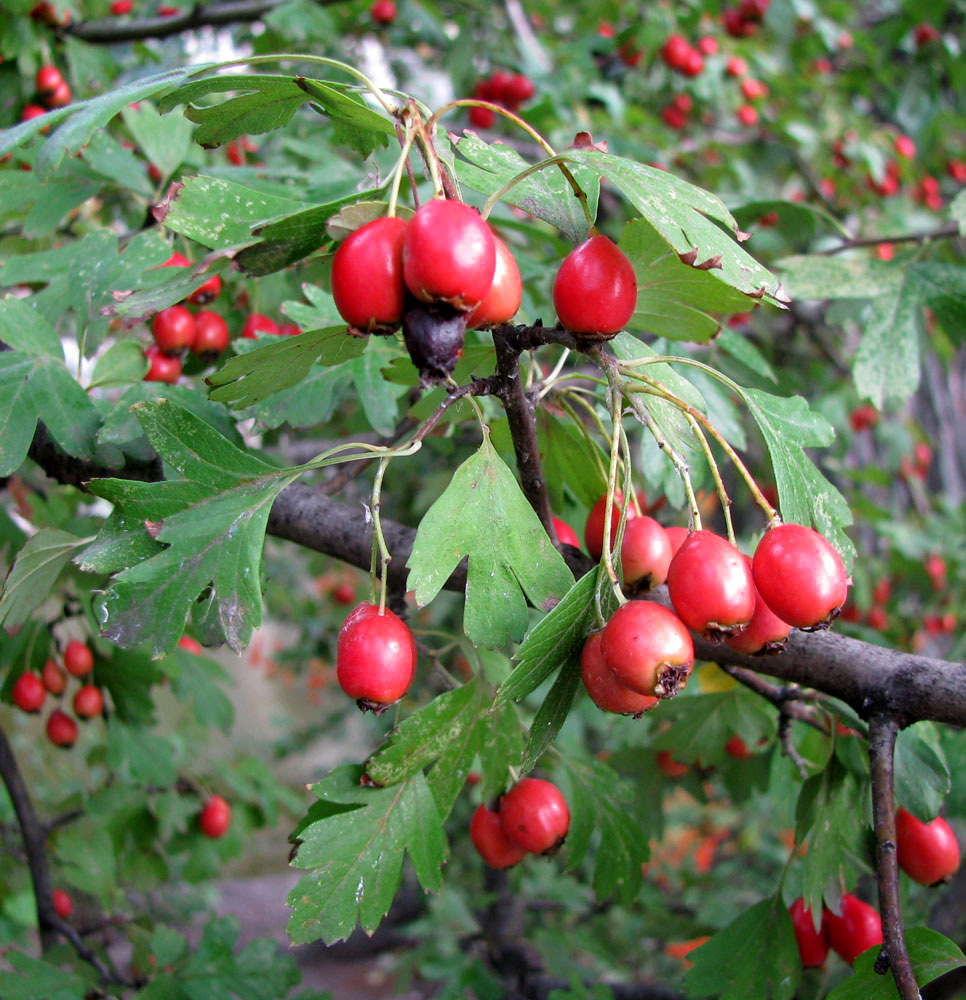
(905, 147)
(31, 111)
(482, 117)
(177, 260)
(499, 85)
(211, 334)
(519, 89)
(710, 585)
(367, 276)
(648, 649)
(162, 367)
(565, 533)
(344, 593)
(606, 692)
(924, 34)
(534, 815)
(63, 904)
(258, 323)
(61, 729)
(48, 80)
(55, 680)
(812, 944)
(693, 63)
(877, 618)
(88, 702)
(29, 692)
(675, 51)
(490, 841)
(383, 12)
(857, 929)
(766, 632)
(747, 115)
(670, 767)
(800, 576)
(173, 329)
(121, 7)
(928, 852)
(737, 748)
(629, 54)
(645, 553)
(863, 417)
(957, 170)
(289, 330)
(78, 659)
(753, 89)
(677, 536)
(208, 292)
(215, 817)
(376, 657)
(707, 45)
(449, 254)
(595, 290)
(190, 644)
(736, 66)
(502, 301)
(61, 96)
(594, 526)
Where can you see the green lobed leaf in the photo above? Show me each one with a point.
(356, 856)
(139, 755)
(121, 363)
(744, 351)
(24, 329)
(164, 139)
(36, 568)
(355, 124)
(570, 459)
(35, 979)
(484, 515)
(552, 713)
(886, 365)
(922, 775)
(821, 277)
(942, 287)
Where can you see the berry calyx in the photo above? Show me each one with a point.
(812, 943)
(449, 254)
(645, 554)
(434, 335)
(211, 335)
(375, 657)
(258, 323)
(55, 680)
(711, 587)
(855, 930)
(63, 904)
(88, 702)
(161, 367)
(927, 852)
(367, 277)
(501, 302)
(491, 841)
(61, 729)
(801, 576)
(766, 632)
(215, 817)
(605, 691)
(78, 659)
(595, 290)
(648, 649)
(534, 815)
(29, 692)
(173, 329)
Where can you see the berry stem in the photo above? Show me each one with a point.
(715, 474)
(399, 169)
(615, 454)
(378, 538)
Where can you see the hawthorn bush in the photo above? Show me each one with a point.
(455, 295)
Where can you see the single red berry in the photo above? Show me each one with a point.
(154, 173)
(211, 334)
(235, 153)
(78, 659)
(173, 329)
(289, 330)
(88, 702)
(565, 533)
(49, 78)
(674, 117)
(675, 51)
(60, 97)
(766, 632)
(55, 680)
(499, 84)
(747, 115)
(812, 943)
(190, 644)
(534, 815)
(877, 618)
(63, 904)
(449, 254)
(753, 89)
(258, 323)
(693, 63)
(491, 842)
(605, 691)
(708, 45)
(928, 852)
(857, 929)
(61, 729)
(501, 302)
(344, 593)
(376, 657)
(161, 367)
(957, 170)
(594, 526)
(177, 260)
(648, 649)
(737, 748)
(383, 12)
(482, 117)
(31, 111)
(863, 417)
(677, 536)
(800, 575)
(215, 817)
(595, 290)
(208, 292)
(683, 102)
(29, 692)
(367, 276)
(122, 7)
(669, 767)
(645, 554)
(905, 147)
(924, 34)
(711, 587)
(736, 66)
(519, 89)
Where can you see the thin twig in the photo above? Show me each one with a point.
(787, 698)
(925, 236)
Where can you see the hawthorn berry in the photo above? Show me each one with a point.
(855, 930)
(710, 586)
(173, 329)
(736, 66)
(677, 536)
(344, 593)
(800, 576)
(375, 657)
(289, 329)
(605, 691)
(48, 80)
(449, 254)
(812, 943)
(190, 644)
(161, 367)
(518, 90)
(565, 533)
(693, 63)
(737, 748)
(669, 767)
(491, 841)
(747, 114)
(594, 525)
(88, 702)
(535, 816)
(905, 147)
(29, 692)
(211, 335)
(63, 904)
(383, 12)
(258, 323)
(61, 729)
(482, 117)
(78, 659)
(55, 680)
(215, 817)
(595, 290)
(501, 302)
(60, 97)
(367, 276)
(645, 554)
(648, 649)
(207, 292)
(927, 852)
(675, 51)
(31, 111)
(121, 7)
(766, 632)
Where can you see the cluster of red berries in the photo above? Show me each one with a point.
(681, 56)
(745, 19)
(509, 90)
(47, 13)
(531, 818)
(53, 91)
(375, 657)
(31, 689)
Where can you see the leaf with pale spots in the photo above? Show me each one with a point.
(353, 843)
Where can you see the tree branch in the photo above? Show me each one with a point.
(925, 236)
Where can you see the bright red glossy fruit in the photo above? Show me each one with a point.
(61, 729)
(928, 852)
(491, 841)
(215, 817)
(88, 702)
(535, 816)
(383, 12)
(605, 691)
(173, 329)
(258, 323)
(645, 553)
(367, 276)
(737, 748)
(502, 301)
(565, 533)
(161, 367)
(207, 292)
(376, 657)
(648, 649)
(905, 147)
(812, 944)
(857, 929)
(519, 89)
(711, 586)
(594, 525)
(676, 535)
(747, 114)
(693, 63)
(190, 644)
(60, 97)
(211, 334)
(595, 290)
(675, 51)
(78, 659)
(669, 767)
(482, 117)
(63, 904)
(121, 7)
(766, 632)
(801, 576)
(177, 260)
(29, 692)
(449, 254)
(55, 680)
(290, 329)
(33, 111)
(48, 79)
